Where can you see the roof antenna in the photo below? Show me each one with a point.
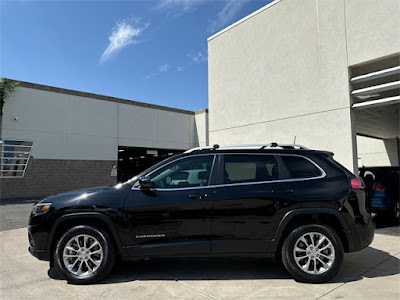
(294, 141)
(215, 147)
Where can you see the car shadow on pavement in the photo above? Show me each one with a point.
(355, 267)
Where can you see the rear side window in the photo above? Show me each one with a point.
(299, 167)
(250, 168)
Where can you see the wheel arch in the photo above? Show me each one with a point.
(97, 220)
(322, 216)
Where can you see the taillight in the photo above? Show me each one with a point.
(357, 184)
(379, 187)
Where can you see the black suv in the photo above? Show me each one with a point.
(274, 200)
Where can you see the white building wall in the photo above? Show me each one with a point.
(283, 73)
(144, 127)
(72, 127)
(62, 126)
(201, 128)
(376, 152)
(373, 29)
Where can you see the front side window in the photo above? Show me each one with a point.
(250, 168)
(299, 167)
(188, 172)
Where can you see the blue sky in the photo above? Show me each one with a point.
(148, 51)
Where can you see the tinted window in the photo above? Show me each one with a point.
(300, 167)
(187, 172)
(250, 168)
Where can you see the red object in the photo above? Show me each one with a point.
(357, 184)
(379, 187)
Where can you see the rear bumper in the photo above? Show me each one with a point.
(361, 238)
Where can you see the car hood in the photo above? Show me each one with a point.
(98, 196)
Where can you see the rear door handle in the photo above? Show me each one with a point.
(282, 191)
(198, 196)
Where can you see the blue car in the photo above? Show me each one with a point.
(382, 187)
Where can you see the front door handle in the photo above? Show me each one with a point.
(198, 196)
(282, 191)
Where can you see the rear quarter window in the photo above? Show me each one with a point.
(300, 167)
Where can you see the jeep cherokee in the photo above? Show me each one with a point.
(274, 200)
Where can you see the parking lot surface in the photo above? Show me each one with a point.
(372, 273)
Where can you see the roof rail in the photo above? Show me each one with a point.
(259, 146)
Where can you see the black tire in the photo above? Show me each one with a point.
(395, 216)
(107, 259)
(288, 255)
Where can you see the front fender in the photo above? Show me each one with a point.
(88, 217)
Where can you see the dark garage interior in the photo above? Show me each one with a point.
(133, 160)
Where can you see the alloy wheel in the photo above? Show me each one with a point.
(314, 253)
(82, 255)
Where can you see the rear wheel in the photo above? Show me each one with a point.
(312, 253)
(84, 255)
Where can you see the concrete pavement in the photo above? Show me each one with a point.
(15, 214)
(372, 273)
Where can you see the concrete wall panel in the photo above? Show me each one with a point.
(65, 126)
(373, 29)
(282, 73)
(201, 129)
(328, 133)
(377, 153)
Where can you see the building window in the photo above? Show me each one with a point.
(14, 157)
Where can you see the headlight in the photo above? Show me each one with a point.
(40, 208)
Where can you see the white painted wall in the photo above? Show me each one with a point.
(201, 128)
(73, 127)
(282, 73)
(373, 29)
(144, 127)
(377, 153)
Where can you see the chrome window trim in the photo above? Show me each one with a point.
(136, 187)
(323, 173)
(182, 189)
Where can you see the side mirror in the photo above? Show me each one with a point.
(145, 183)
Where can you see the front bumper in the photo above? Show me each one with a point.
(39, 254)
(361, 238)
(38, 242)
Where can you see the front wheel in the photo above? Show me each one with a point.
(312, 253)
(84, 255)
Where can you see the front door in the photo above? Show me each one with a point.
(174, 217)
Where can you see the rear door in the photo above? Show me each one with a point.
(253, 192)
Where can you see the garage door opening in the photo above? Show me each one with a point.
(133, 160)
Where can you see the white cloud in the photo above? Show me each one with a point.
(225, 16)
(178, 7)
(193, 58)
(123, 34)
(164, 68)
(198, 57)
